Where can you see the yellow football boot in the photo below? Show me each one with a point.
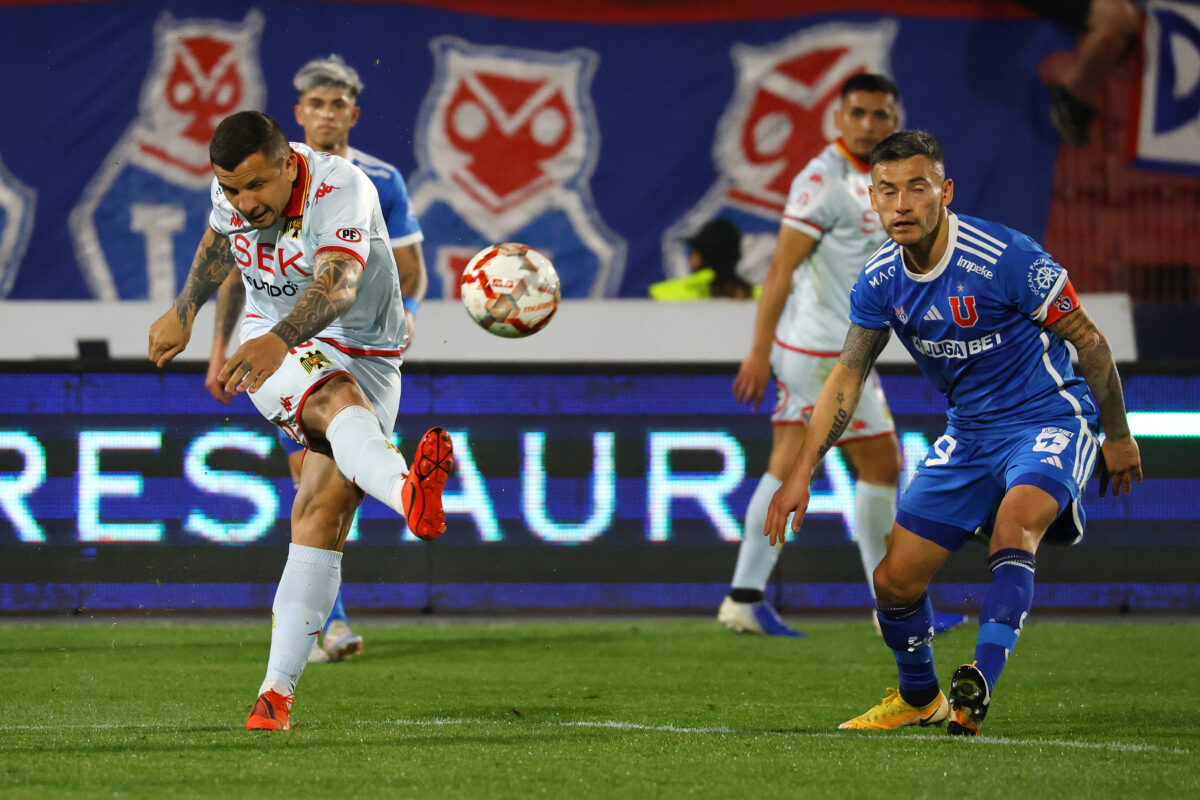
(892, 712)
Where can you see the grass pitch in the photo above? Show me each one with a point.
(637, 709)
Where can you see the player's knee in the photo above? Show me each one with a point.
(883, 471)
(335, 394)
(877, 461)
(893, 588)
(322, 520)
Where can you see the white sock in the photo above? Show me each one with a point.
(756, 556)
(305, 596)
(874, 513)
(365, 456)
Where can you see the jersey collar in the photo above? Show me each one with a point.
(951, 243)
(295, 206)
(855, 161)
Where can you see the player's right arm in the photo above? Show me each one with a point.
(791, 250)
(835, 408)
(212, 262)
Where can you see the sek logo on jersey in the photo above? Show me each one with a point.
(780, 117)
(151, 190)
(350, 235)
(507, 140)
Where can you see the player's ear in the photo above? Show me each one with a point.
(290, 165)
(947, 191)
(871, 194)
(354, 116)
(296, 111)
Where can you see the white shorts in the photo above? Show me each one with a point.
(281, 398)
(798, 380)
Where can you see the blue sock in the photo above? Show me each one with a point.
(1004, 610)
(908, 630)
(337, 613)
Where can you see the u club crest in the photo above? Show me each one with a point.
(780, 117)
(151, 192)
(507, 140)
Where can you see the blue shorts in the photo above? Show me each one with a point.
(959, 484)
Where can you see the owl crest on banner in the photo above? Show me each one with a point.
(779, 117)
(507, 140)
(152, 188)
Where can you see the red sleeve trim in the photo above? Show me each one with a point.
(361, 262)
(1066, 302)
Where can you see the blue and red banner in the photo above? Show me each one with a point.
(1167, 133)
(602, 133)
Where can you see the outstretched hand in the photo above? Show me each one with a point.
(252, 363)
(1120, 464)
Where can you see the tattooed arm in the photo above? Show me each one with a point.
(170, 333)
(833, 412)
(332, 291)
(1121, 462)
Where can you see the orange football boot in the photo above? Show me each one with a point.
(422, 492)
(270, 712)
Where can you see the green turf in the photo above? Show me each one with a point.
(637, 709)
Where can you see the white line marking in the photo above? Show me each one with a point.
(976, 741)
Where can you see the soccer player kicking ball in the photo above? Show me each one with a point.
(986, 314)
(320, 356)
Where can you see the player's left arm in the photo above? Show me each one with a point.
(332, 292)
(414, 278)
(1122, 463)
(834, 409)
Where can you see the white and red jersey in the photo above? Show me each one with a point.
(828, 201)
(334, 206)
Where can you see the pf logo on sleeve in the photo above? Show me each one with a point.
(350, 235)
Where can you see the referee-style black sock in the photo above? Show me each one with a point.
(746, 595)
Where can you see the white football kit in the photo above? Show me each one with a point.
(829, 202)
(334, 206)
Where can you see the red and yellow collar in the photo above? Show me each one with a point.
(295, 206)
(859, 164)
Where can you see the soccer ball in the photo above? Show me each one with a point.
(510, 289)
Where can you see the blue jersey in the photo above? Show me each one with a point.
(398, 213)
(975, 326)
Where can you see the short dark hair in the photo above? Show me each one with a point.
(243, 134)
(869, 82)
(902, 145)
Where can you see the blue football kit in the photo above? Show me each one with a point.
(1018, 414)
